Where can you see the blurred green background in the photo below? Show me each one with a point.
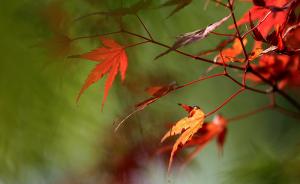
(45, 137)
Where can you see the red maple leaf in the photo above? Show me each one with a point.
(276, 18)
(112, 58)
(216, 129)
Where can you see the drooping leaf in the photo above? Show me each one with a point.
(57, 20)
(219, 47)
(112, 59)
(59, 45)
(55, 16)
(187, 127)
(191, 37)
(123, 11)
(156, 92)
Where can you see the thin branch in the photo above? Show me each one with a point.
(286, 96)
(136, 44)
(237, 30)
(275, 89)
(184, 53)
(250, 113)
(89, 15)
(198, 80)
(223, 34)
(287, 112)
(289, 99)
(245, 86)
(144, 26)
(225, 102)
(94, 36)
(119, 124)
(221, 3)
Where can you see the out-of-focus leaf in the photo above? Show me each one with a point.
(180, 4)
(156, 92)
(120, 12)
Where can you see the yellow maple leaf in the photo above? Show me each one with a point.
(187, 127)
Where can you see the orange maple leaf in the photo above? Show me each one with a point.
(230, 54)
(112, 58)
(187, 127)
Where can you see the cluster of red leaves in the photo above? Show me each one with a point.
(280, 62)
(280, 69)
(259, 11)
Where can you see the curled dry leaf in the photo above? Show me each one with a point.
(191, 37)
(187, 127)
(112, 59)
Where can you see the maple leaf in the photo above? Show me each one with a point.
(259, 11)
(187, 127)
(191, 37)
(180, 4)
(112, 59)
(230, 54)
